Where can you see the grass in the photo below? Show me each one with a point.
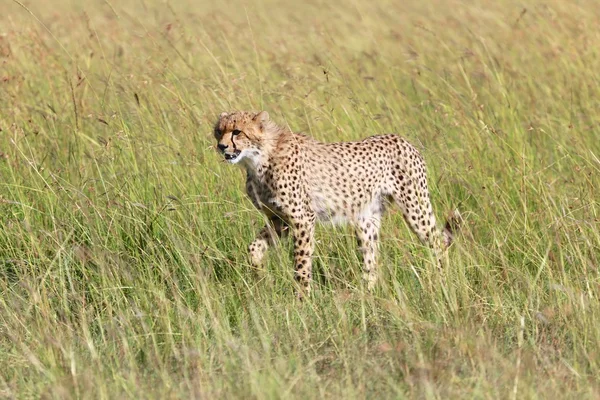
(123, 270)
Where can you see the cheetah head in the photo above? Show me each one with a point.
(239, 135)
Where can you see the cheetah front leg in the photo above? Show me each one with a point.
(303, 235)
(265, 238)
(367, 233)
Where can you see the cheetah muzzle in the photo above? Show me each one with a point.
(231, 156)
(296, 180)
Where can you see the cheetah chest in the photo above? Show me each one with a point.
(265, 197)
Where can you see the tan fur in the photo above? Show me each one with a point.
(296, 180)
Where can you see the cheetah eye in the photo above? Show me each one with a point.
(236, 132)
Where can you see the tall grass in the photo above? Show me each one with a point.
(123, 270)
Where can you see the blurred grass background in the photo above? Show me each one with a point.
(123, 268)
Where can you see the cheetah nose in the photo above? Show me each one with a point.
(222, 146)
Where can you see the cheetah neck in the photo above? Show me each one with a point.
(254, 162)
(257, 160)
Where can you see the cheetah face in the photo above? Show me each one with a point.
(239, 134)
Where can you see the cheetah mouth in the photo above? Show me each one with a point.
(232, 156)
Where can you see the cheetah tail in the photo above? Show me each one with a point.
(452, 225)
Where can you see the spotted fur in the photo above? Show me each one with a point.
(296, 180)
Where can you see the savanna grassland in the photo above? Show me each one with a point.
(123, 235)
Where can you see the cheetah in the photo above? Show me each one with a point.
(296, 180)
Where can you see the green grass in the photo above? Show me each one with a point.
(123, 270)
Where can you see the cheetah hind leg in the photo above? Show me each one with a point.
(418, 213)
(367, 234)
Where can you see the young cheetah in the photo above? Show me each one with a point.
(296, 180)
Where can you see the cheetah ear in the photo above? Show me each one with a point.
(223, 115)
(262, 116)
